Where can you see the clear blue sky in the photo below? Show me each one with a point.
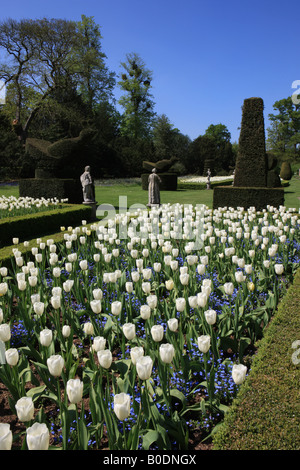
(206, 56)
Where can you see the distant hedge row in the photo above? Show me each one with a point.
(35, 225)
(266, 413)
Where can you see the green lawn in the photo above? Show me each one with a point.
(129, 194)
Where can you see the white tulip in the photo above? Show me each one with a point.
(228, 288)
(278, 269)
(116, 307)
(145, 312)
(37, 437)
(104, 358)
(74, 390)
(46, 337)
(5, 332)
(12, 356)
(6, 436)
(210, 316)
(66, 331)
(157, 332)
(55, 364)
(97, 294)
(135, 353)
(25, 409)
(204, 343)
(169, 284)
(166, 352)
(180, 304)
(88, 328)
(96, 306)
(239, 373)
(99, 343)
(144, 367)
(173, 324)
(122, 405)
(39, 308)
(129, 331)
(152, 301)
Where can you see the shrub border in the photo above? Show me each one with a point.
(41, 223)
(265, 414)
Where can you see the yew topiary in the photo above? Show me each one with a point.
(286, 171)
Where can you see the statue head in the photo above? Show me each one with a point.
(154, 170)
(87, 168)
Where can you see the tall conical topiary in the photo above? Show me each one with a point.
(251, 165)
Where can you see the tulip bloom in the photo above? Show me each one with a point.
(228, 288)
(55, 301)
(55, 365)
(88, 328)
(144, 367)
(278, 269)
(173, 324)
(169, 284)
(180, 304)
(74, 390)
(239, 373)
(129, 331)
(97, 294)
(96, 306)
(5, 332)
(104, 358)
(166, 352)
(37, 437)
(122, 405)
(204, 343)
(145, 312)
(202, 299)
(46, 336)
(193, 302)
(135, 353)
(38, 308)
(157, 332)
(25, 409)
(152, 301)
(210, 316)
(99, 343)
(6, 436)
(66, 331)
(116, 307)
(12, 356)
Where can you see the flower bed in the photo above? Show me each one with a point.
(138, 334)
(16, 206)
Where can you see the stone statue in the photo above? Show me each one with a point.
(88, 187)
(208, 179)
(153, 188)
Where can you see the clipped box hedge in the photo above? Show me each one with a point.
(35, 225)
(247, 197)
(266, 412)
(51, 187)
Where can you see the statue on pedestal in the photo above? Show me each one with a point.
(153, 188)
(208, 179)
(88, 188)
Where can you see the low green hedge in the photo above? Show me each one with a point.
(200, 186)
(246, 197)
(36, 225)
(266, 413)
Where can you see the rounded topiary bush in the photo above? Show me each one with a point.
(286, 171)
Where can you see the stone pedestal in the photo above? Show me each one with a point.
(93, 205)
